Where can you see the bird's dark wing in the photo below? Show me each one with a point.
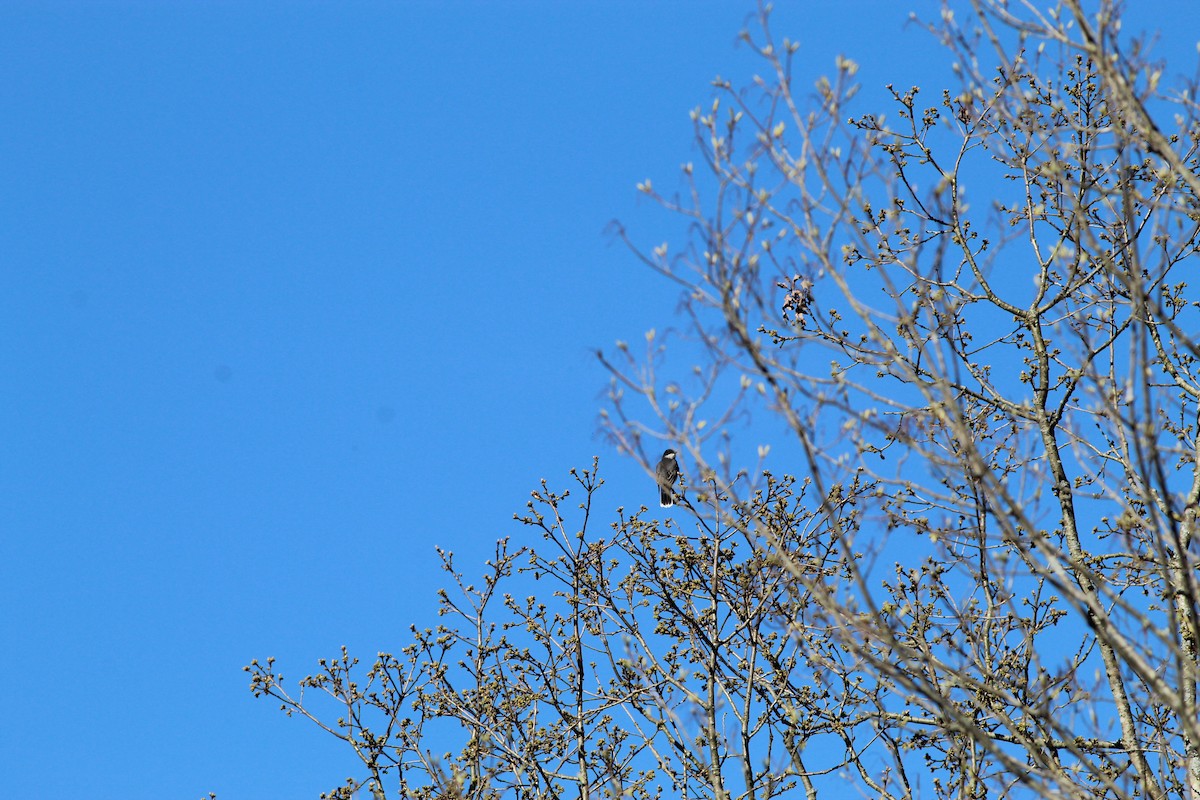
(666, 473)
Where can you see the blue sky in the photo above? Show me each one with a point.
(292, 293)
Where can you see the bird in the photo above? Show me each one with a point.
(666, 472)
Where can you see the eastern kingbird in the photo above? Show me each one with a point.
(667, 471)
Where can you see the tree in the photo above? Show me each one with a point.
(975, 575)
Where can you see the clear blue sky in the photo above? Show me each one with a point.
(291, 293)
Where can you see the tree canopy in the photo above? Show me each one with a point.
(964, 566)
